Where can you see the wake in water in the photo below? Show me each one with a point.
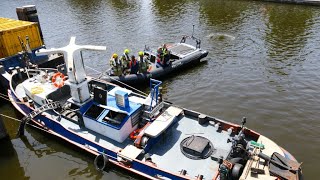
(221, 36)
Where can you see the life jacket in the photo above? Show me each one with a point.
(143, 64)
(134, 67)
(115, 62)
(125, 60)
(126, 56)
(116, 66)
(164, 51)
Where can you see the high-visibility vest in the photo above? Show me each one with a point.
(116, 66)
(125, 60)
(126, 56)
(164, 51)
(143, 64)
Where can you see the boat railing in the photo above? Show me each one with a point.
(198, 41)
(150, 114)
(154, 86)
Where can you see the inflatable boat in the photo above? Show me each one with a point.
(181, 56)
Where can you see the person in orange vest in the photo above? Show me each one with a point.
(134, 65)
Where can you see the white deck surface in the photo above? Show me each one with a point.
(162, 122)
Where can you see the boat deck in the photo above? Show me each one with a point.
(181, 49)
(167, 151)
(20, 91)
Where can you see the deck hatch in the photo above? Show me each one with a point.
(196, 147)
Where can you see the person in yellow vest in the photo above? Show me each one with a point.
(165, 55)
(116, 65)
(143, 63)
(125, 59)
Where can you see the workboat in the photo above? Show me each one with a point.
(141, 133)
(182, 55)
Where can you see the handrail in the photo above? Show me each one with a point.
(154, 90)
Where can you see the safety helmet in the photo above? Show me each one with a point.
(140, 53)
(115, 55)
(126, 51)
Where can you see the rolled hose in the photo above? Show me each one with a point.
(100, 162)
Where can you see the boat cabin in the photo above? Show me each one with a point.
(116, 117)
(111, 111)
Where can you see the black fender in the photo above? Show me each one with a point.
(101, 161)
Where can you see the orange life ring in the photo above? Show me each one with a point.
(134, 134)
(58, 79)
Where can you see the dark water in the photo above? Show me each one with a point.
(263, 64)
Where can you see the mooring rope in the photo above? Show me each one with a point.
(9, 117)
(5, 97)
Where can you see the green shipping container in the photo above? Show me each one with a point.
(11, 29)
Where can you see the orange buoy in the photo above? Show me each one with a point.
(58, 79)
(134, 134)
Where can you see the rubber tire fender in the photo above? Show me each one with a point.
(101, 161)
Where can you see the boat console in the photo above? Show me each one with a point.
(112, 114)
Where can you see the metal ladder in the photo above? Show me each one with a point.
(33, 114)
